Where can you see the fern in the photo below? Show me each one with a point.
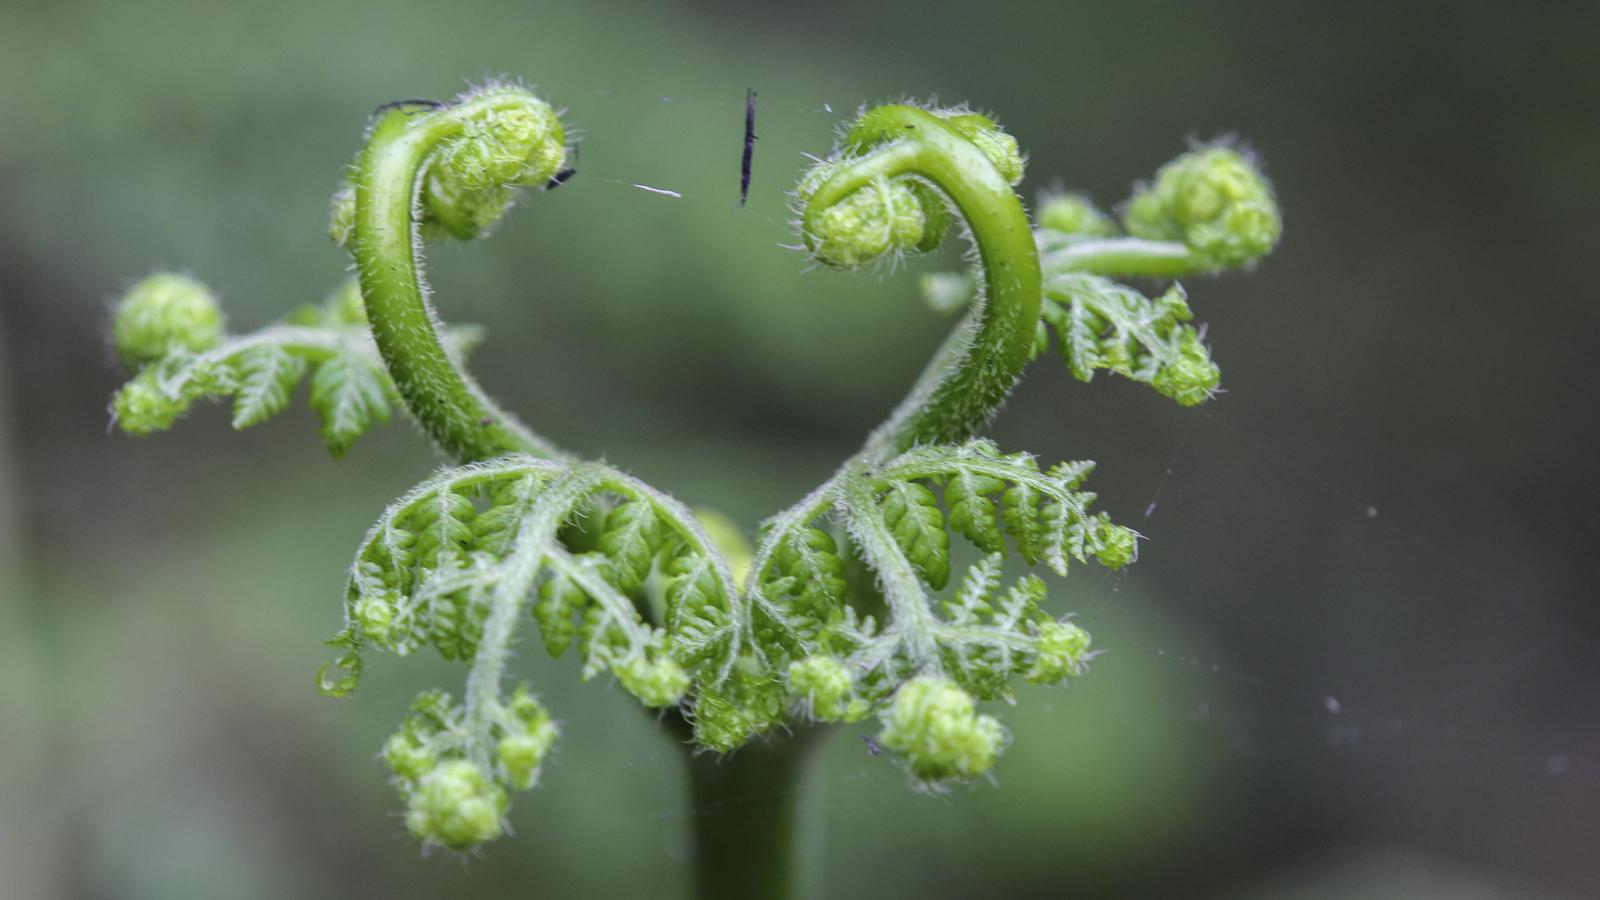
(845, 609)
(350, 390)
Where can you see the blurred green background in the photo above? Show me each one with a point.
(1360, 656)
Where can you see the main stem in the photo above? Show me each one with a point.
(746, 810)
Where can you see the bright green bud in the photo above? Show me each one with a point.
(719, 724)
(661, 682)
(529, 738)
(1063, 648)
(374, 616)
(1074, 214)
(522, 754)
(456, 805)
(1214, 201)
(1000, 147)
(933, 724)
(524, 145)
(163, 313)
(882, 217)
(408, 757)
(473, 180)
(1193, 377)
(823, 684)
(142, 408)
(1118, 545)
(747, 704)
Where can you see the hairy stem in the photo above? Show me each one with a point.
(445, 400)
(537, 532)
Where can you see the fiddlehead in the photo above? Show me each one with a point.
(1206, 211)
(428, 171)
(889, 188)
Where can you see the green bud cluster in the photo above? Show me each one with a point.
(986, 135)
(510, 140)
(455, 804)
(657, 682)
(475, 176)
(1215, 201)
(454, 797)
(529, 735)
(162, 314)
(1074, 214)
(888, 216)
(748, 703)
(824, 689)
(873, 221)
(142, 408)
(1063, 652)
(374, 615)
(935, 727)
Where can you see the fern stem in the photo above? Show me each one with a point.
(1122, 257)
(964, 386)
(534, 538)
(441, 395)
(912, 624)
(746, 810)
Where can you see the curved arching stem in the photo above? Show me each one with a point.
(440, 394)
(974, 372)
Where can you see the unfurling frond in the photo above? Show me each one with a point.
(169, 329)
(863, 600)
(843, 663)
(1101, 324)
(459, 562)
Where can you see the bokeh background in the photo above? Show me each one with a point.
(1360, 656)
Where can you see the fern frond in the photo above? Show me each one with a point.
(459, 560)
(843, 663)
(267, 375)
(912, 513)
(350, 390)
(1105, 325)
(1101, 324)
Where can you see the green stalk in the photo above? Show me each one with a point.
(965, 385)
(445, 400)
(746, 811)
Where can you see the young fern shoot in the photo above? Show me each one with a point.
(850, 606)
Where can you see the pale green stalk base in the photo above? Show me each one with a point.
(746, 810)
